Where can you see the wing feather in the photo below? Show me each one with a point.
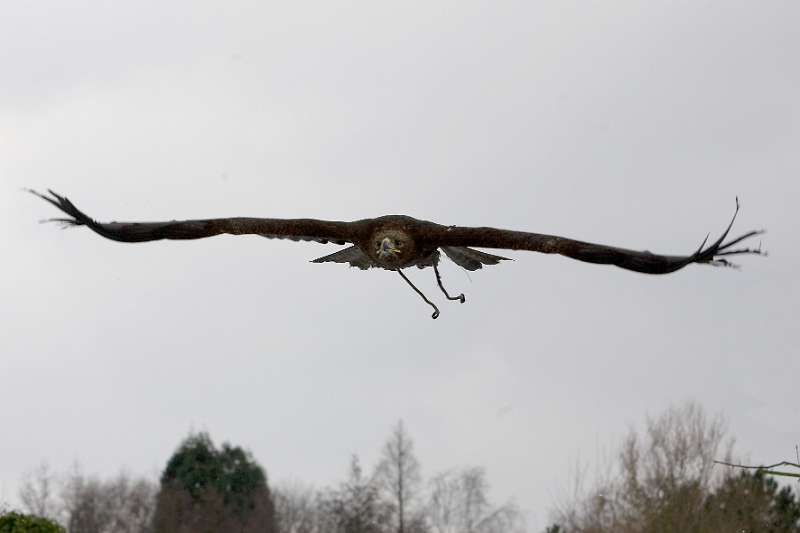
(351, 254)
(469, 258)
(296, 229)
(639, 261)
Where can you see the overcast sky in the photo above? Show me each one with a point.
(627, 123)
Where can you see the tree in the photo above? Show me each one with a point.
(86, 505)
(208, 489)
(754, 502)
(665, 480)
(90, 505)
(38, 492)
(356, 506)
(459, 503)
(399, 477)
(297, 509)
(20, 523)
(118, 505)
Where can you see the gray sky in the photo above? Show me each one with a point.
(632, 123)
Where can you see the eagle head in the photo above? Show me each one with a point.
(392, 247)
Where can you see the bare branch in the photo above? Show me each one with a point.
(759, 467)
(767, 469)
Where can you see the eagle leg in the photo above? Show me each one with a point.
(435, 309)
(461, 298)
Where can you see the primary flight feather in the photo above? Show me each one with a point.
(395, 242)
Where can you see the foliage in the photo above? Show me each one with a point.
(755, 502)
(20, 523)
(197, 465)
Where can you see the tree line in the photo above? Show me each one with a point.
(663, 479)
(209, 489)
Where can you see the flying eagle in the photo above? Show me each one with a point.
(395, 242)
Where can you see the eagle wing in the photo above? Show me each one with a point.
(306, 229)
(639, 261)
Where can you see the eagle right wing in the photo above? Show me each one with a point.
(305, 229)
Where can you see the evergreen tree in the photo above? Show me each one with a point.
(755, 502)
(204, 488)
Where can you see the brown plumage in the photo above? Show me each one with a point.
(395, 242)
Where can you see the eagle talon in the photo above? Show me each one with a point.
(435, 309)
(461, 298)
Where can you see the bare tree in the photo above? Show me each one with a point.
(116, 505)
(356, 506)
(297, 509)
(459, 503)
(662, 480)
(133, 503)
(38, 492)
(87, 504)
(399, 476)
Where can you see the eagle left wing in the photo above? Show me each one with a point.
(296, 229)
(639, 261)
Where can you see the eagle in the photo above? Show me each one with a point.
(397, 242)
